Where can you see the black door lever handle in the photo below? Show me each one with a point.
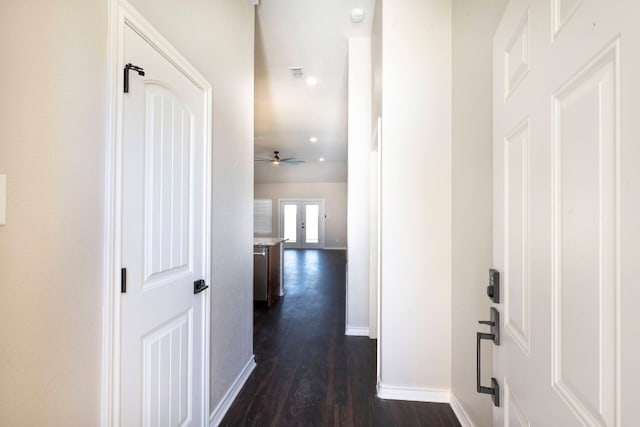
(199, 286)
(494, 336)
(495, 325)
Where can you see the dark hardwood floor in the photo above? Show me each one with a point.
(308, 372)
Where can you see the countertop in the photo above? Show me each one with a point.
(268, 241)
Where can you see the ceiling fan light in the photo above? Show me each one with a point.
(276, 159)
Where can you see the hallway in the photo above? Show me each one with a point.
(308, 372)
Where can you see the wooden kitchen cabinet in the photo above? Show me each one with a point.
(268, 280)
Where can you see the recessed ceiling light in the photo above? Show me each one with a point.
(321, 159)
(313, 139)
(357, 15)
(312, 81)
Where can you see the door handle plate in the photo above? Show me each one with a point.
(493, 290)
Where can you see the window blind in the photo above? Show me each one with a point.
(262, 216)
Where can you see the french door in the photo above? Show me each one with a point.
(567, 213)
(302, 223)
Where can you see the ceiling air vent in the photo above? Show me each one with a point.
(296, 72)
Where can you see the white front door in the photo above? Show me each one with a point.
(302, 223)
(567, 212)
(163, 243)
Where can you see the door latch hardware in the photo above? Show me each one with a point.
(128, 67)
(494, 336)
(199, 286)
(494, 323)
(123, 280)
(493, 290)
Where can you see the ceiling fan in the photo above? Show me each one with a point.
(276, 160)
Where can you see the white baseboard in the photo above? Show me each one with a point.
(458, 409)
(413, 394)
(336, 248)
(426, 395)
(356, 331)
(218, 414)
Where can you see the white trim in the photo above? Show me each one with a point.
(336, 248)
(379, 254)
(414, 394)
(111, 304)
(461, 414)
(225, 403)
(121, 14)
(357, 331)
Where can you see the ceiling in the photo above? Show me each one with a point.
(312, 34)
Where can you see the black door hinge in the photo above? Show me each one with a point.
(123, 280)
(128, 67)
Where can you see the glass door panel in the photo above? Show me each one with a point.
(311, 224)
(290, 213)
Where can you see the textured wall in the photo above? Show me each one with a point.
(52, 145)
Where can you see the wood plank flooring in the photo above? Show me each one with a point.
(308, 372)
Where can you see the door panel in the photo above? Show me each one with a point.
(168, 204)
(517, 195)
(563, 182)
(584, 271)
(163, 243)
(167, 365)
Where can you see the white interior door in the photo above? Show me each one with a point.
(164, 242)
(302, 223)
(566, 212)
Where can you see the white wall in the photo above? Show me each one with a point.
(52, 144)
(415, 334)
(52, 148)
(374, 248)
(202, 30)
(473, 26)
(359, 148)
(308, 172)
(335, 206)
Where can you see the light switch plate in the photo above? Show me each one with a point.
(3, 199)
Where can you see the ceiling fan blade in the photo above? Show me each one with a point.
(286, 159)
(292, 160)
(262, 160)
